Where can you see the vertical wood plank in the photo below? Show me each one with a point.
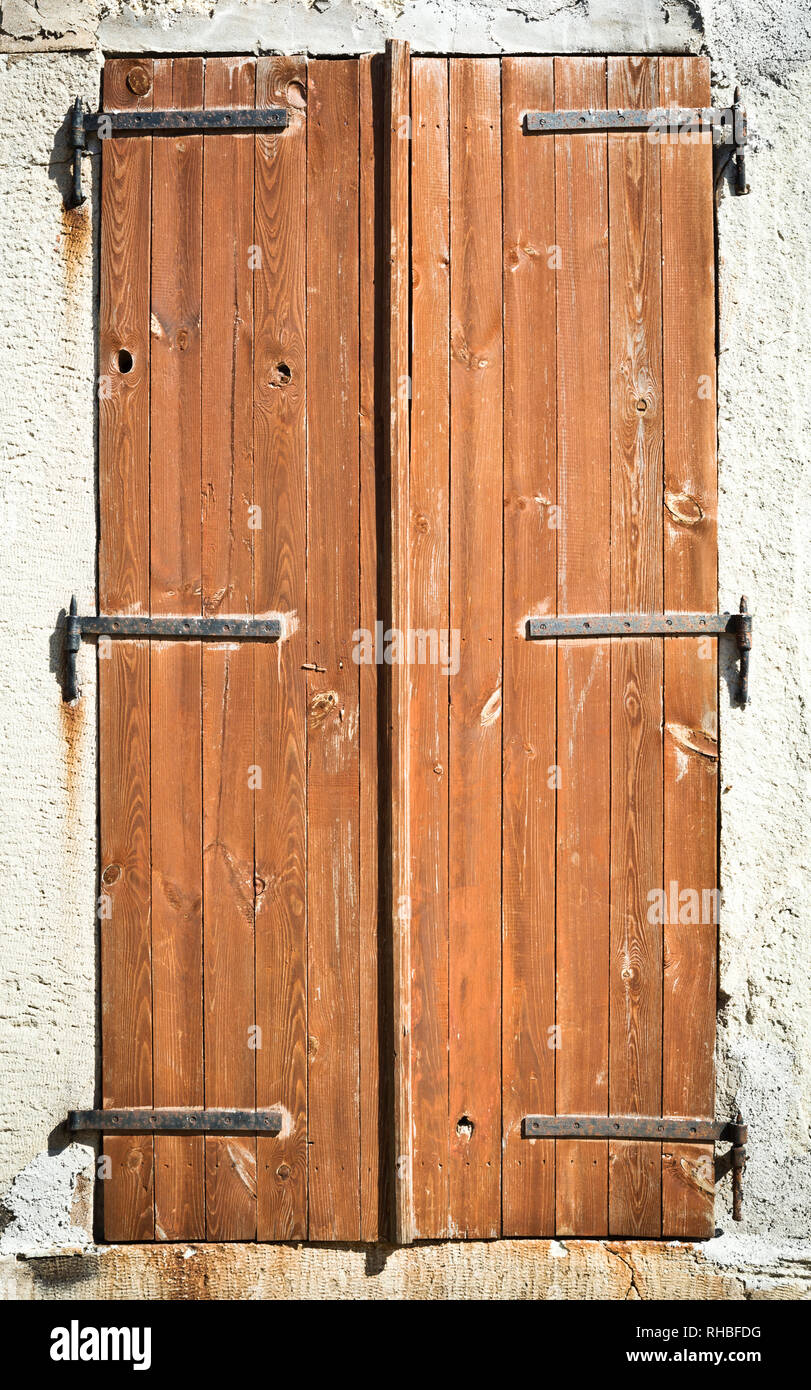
(280, 544)
(175, 558)
(583, 751)
(124, 804)
(476, 500)
(376, 1085)
(691, 674)
(530, 496)
(228, 716)
(635, 1074)
(396, 212)
(332, 617)
(429, 600)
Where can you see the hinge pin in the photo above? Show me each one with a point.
(73, 641)
(79, 145)
(738, 1160)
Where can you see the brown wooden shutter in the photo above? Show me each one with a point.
(237, 273)
(404, 361)
(563, 462)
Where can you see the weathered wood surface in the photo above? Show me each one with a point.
(175, 667)
(228, 671)
(280, 686)
(124, 754)
(691, 667)
(584, 668)
(429, 606)
(474, 752)
(635, 968)
(530, 556)
(403, 360)
(333, 883)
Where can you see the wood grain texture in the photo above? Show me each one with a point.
(530, 536)
(583, 676)
(476, 499)
(429, 600)
(635, 1071)
(123, 394)
(228, 672)
(396, 213)
(175, 667)
(124, 805)
(332, 618)
(126, 947)
(691, 675)
(280, 546)
(376, 1081)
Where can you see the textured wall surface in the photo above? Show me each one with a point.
(52, 49)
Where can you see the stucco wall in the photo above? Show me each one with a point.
(48, 52)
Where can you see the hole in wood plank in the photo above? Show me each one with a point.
(464, 1127)
(125, 362)
(281, 375)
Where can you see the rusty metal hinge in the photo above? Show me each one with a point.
(737, 625)
(727, 126)
(677, 1129)
(105, 124)
(190, 628)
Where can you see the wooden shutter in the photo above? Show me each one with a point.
(562, 462)
(237, 477)
(403, 361)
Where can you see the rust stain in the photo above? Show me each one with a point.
(72, 718)
(74, 241)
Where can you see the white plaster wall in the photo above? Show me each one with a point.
(49, 51)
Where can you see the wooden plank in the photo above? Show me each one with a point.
(429, 600)
(280, 544)
(376, 1087)
(583, 742)
(530, 546)
(396, 212)
(175, 559)
(691, 674)
(124, 352)
(124, 799)
(635, 1072)
(228, 716)
(476, 500)
(332, 618)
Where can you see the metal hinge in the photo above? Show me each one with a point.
(104, 124)
(183, 1120)
(677, 1129)
(726, 124)
(737, 625)
(191, 628)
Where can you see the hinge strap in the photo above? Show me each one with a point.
(183, 1120)
(676, 1129)
(737, 625)
(116, 625)
(105, 124)
(726, 124)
